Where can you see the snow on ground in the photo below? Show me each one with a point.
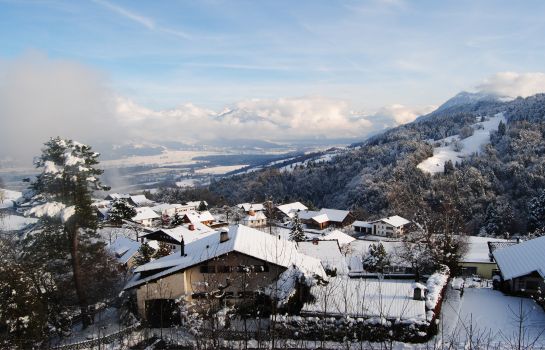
(15, 222)
(218, 170)
(186, 183)
(9, 197)
(324, 158)
(471, 144)
(491, 312)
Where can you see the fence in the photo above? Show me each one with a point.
(99, 341)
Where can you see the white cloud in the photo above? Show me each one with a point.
(396, 114)
(146, 22)
(512, 84)
(271, 119)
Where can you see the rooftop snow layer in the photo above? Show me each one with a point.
(242, 239)
(522, 259)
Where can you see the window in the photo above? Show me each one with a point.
(224, 269)
(531, 285)
(207, 269)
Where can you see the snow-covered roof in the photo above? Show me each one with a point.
(159, 208)
(140, 200)
(242, 239)
(124, 248)
(251, 206)
(335, 215)
(522, 259)
(478, 249)
(200, 230)
(340, 236)
(395, 221)
(196, 217)
(328, 252)
(291, 208)
(144, 213)
(366, 224)
(196, 203)
(369, 298)
(115, 196)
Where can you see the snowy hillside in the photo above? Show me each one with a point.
(472, 144)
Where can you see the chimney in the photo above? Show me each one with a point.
(182, 248)
(191, 227)
(417, 293)
(224, 235)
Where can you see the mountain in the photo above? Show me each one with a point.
(490, 191)
(468, 98)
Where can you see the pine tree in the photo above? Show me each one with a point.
(62, 198)
(164, 250)
(501, 128)
(145, 254)
(297, 234)
(376, 259)
(121, 210)
(202, 206)
(536, 212)
(177, 220)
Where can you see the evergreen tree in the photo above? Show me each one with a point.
(61, 196)
(145, 254)
(376, 259)
(297, 234)
(536, 212)
(202, 206)
(177, 220)
(164, 250)
(121, 210)
(501, 128)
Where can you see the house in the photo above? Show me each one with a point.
(522, 266)
(478, 260)
(247, 207)
(140, 201)
(289, 210)
(174, 236)
(195, 217)
(392, 226)
(254, 219)
(125, 250)
(145, 216)
(169, 210)
(225, 267)
(194, 205)
(329, 254)
(117, 196)
(363, 227)
(339, 236)
(326, 217)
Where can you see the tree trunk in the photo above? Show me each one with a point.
(76, 268)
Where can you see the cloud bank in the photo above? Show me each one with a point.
(513, 85)
(41, 98)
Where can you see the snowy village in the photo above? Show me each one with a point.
(273, 174)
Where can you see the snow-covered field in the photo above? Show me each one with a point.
(491, 313)
(15, 222)
(470, 145)
(324, 158)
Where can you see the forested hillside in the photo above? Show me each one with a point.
(495, 192)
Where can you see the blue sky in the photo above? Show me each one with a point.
(276, 70)
(371, 53)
